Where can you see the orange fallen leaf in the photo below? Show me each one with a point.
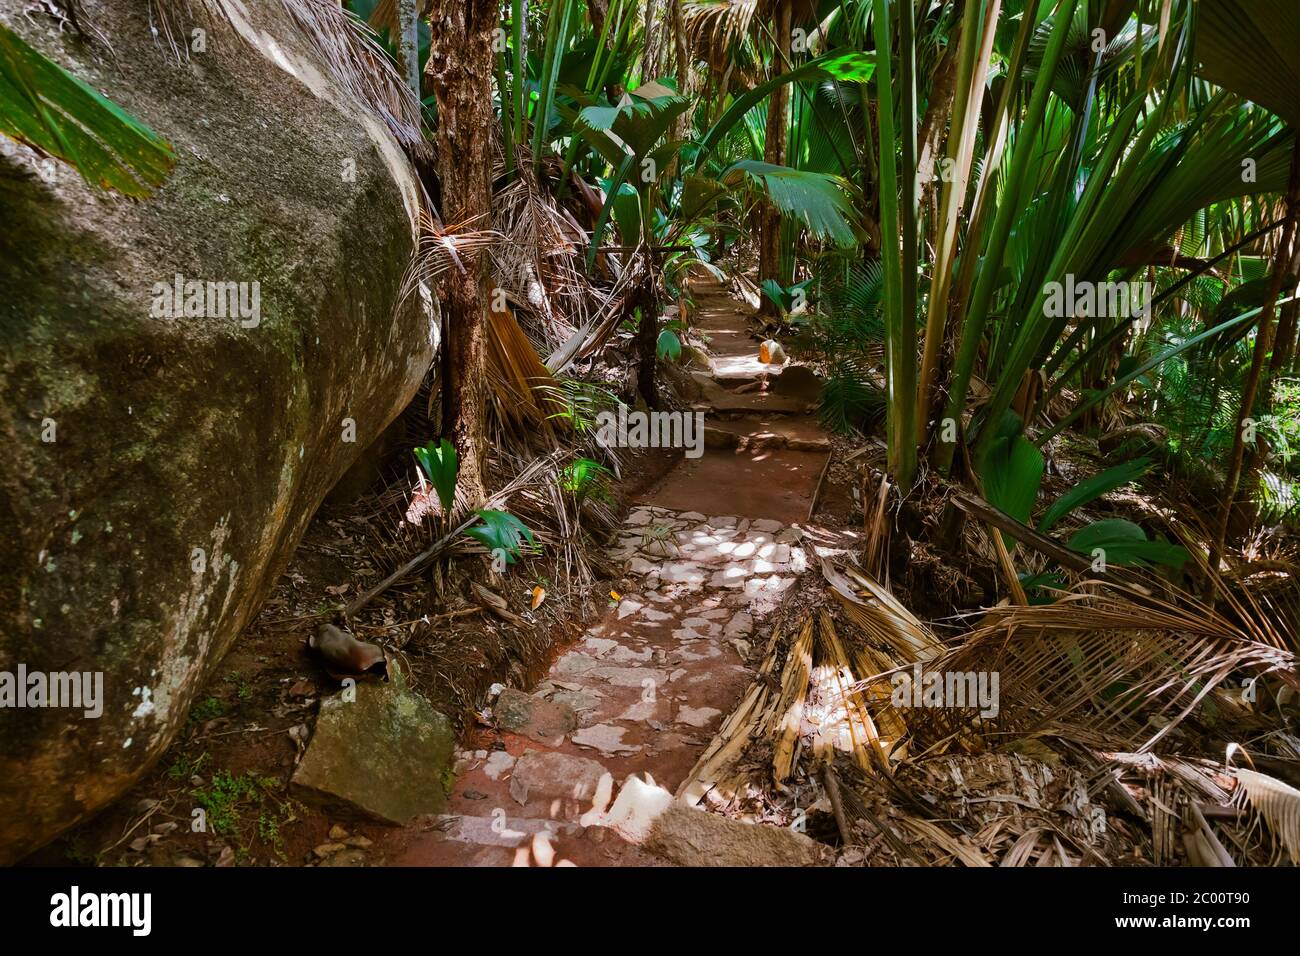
(539, 595)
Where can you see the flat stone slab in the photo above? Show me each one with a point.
(552, 774)
(386, 755)
(536, 718)
(691, 837)
(605, 738)
(495, 831)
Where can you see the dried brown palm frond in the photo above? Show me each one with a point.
(716, 25)
(882, 617)
(540, 267)
(522, 387)
(987, 809)
(442, 248)
(816, 695)
(384, 16)
(846, 723)
(1111, 665)
(1260, 591)
(1277, 803)
(614, 308)
(359, 65)
(718, 776)
(785, 721)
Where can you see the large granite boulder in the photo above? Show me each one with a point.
(157, 467)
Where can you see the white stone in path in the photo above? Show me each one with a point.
(629, 676)
(698, 716)
(734, 576)
(625, 655)
(498, 762)
(740, 626)
(682, 572)
(575, 663)
(606, 738)
(599, 646)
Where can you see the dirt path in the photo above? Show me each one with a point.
(710, 550)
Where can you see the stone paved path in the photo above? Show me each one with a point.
(643, 691)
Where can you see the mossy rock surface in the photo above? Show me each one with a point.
(379, 751)
(188, 454)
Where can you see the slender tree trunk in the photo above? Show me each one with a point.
(1263, 343)
(934, 126)
(598, 10)
(682, 125)
(408, 49)
(460, 73)
(648, 335)
(1284, 343)
(769, 239)
(657, 35)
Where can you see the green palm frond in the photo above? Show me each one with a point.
(817, 200)
(46, 107)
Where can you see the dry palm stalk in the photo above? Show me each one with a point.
(1023, 849)
(516, 373)
(1203, 845)
(1163, 796)
(889, 721)
(932, 833)
(786, 719)
(857, 720)
(876, 525)
(1008, 569)
(821, 479)
(882, 616)
(744, 724)
(777, 709)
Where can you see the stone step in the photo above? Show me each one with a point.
(797, 432)
(795, 390)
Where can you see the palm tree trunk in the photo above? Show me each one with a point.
(408, 49)
(648, 337)
(1263, 343)
(460, 73)
(769, 238)
(1284, 343)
